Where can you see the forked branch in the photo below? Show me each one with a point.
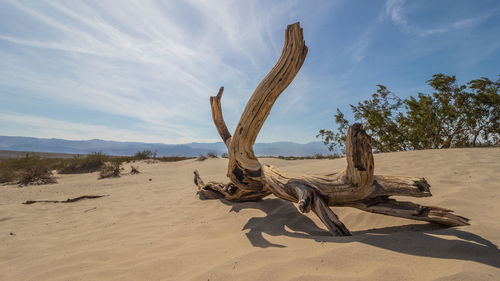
(356, 186)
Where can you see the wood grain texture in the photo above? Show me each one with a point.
(220, 124)
(356, 186)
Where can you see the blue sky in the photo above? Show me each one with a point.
(144, 70)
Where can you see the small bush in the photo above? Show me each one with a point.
(224, 155)
(134, 170)
(30, 169)
(316, 156)
(35, 175)
(145, 154)
(173, 158)
(212, 155)
(109, 170)
(209, 155)
(86, 164)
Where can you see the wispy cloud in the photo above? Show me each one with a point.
(18, 124)
(454, 26)
(53, 128)
(144, 69)
(140, 59)
(360, 47)
(395, 10)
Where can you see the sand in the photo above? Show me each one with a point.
(159, 229)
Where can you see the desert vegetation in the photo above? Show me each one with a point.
(84, 164)
(315, 156)
(30, 169)
(109, 170)
(452, 116)
(205, 157)
(134, 170)
(145, 154)
(34, 169)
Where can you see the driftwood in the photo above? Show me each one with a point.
(69, 200)
(356, 186)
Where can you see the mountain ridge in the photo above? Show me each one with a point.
(55, 145)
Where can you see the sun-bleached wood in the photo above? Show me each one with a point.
(356, 186)
(219, 122)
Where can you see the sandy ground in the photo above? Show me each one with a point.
(159, 229)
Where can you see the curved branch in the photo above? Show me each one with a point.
(244, 169)
(215, 104)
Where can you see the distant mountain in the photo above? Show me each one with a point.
(130, 148)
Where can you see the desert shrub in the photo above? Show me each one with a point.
(37, 174)
(84, 164)
(31, 169)
(173, 158)
(212, 155)
(134, 170)
(6, 171)
(316, 156)
(224, 155)
(109, 169)
(209, 155)
(321, 156)
(145, 154)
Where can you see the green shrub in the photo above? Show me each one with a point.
(452, 116)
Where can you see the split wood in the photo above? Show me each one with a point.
(356, 186)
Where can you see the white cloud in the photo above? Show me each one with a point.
(360, 47)
(453, 26)
(395, 10)
(138, 59)
(20, 124)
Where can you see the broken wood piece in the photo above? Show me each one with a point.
(69, 200)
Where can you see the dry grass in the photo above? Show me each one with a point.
(31, 169)
(109, 170)
(34, 169)
(316, 156)
(84, 164)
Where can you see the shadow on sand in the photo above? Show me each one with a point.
(283, 218)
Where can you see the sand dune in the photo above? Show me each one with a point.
(160, 230)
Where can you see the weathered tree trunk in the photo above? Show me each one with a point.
(356, 186)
